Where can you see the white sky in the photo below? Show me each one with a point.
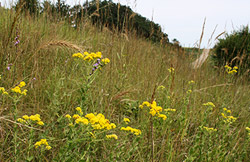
(183, 19)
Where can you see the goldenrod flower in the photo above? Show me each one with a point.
(82, 120)
(209, 104)
(16, 90)
(40, 123)
(105, 61)
(189, 91)
(170, 110)
(35, 117)
(126, 120)
(191, 82)
(22, 84)
(164, 117)
(161, 87)
(171, 70)
(44, 143)
(248, 129)
(20, 120)
(2, 89)
(79, 110)
(76, 116)
(209, 129)
(235, 68)
(79, 55)
(112, 136)
(48, 147)
(26, 117)
(132, 130)
(68, 116)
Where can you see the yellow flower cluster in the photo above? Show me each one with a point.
(210, 104)
(35, 118)
(231, 70)
(97, 121)
(248, 130)
(79, 110)
(17, 89)
(132, 130)
(160, 87)
(210, 130)
(78, 118)
(2, 90)
(126, 120)
(112, 136)
(171, 70)
(105, 61)
(43, 142)
(154, 109)
(91, 56)
(227, 117)
(191, 82)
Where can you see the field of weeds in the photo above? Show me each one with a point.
(87, 94)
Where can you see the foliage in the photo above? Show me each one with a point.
(144, 103)
(234, 50)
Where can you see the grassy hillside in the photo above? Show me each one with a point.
(191, 123)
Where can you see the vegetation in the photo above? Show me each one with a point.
(63, 100)
(234, 50)
(102, 13)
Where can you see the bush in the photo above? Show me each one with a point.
(234, 50)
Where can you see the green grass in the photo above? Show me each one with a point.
(58, 83)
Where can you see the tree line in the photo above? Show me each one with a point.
(102, 13)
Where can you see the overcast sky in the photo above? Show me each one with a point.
(183, 19)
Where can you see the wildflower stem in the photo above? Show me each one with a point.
(152, 126)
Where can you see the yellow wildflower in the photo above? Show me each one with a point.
(235, 68)
(228, 67)
(79, 55)
(48, 147)
(171, 70)
(26, 117)
(126, 120)
(16, 90)
(22, 84)
(2, 89)
(170, 110)
(43, 142)
(68, 116)
(161, 87)
(88, 58)
(232, 72)
(105, 61)
(20, 120)
(112, 136)
(76, 116)
(191, 82)
(40, 123)
(248, 129)
(209, 129)
(209, 104)
(82, 120)
(189, 91)
(164, 117)
(35, 117)
(132, 130)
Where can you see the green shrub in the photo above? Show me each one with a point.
(234, 50)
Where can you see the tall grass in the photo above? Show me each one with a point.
(58, 83)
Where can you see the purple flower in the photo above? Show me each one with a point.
(95, 66)
(8, 67)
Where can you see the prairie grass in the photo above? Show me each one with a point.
(138, 71)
